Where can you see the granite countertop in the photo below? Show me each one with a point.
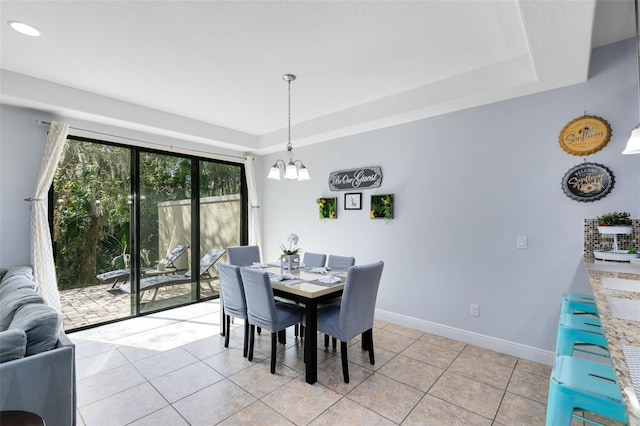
(618, 332)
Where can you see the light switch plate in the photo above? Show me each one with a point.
(521, 242)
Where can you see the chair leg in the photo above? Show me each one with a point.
(326, 341)
(301, 331)
(369, 334)
(246, 338)
(295, 330)
(345, 365)
(226, 333)
(274, 342)
(364, 342)
(224, 322)
(334, 343)
(251, 340)
(259, 330)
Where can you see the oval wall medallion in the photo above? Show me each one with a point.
(585, 135)
(588, 182)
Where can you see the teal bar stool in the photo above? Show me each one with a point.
(579, 297)
(582, 333)
(578, 384)
(575, 303)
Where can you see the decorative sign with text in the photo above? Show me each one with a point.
(585, 135)
(362, 178)
(588, 182)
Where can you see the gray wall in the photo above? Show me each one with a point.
(22, 143)
(466, 185)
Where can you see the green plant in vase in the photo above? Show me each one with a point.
(291, 249)
(327, 208)
(615, 219)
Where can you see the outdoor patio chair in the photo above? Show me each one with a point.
(123, 274)
(207, 261)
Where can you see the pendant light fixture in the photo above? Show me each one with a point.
(293, 170)
(633, 144)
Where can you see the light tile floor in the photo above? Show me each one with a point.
(171, 368)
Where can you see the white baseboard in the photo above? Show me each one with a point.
(499, 345)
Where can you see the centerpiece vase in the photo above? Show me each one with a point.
(290, 262)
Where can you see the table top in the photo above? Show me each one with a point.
(619, 332)
(305, 282)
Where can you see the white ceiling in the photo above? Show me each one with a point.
(210, 71)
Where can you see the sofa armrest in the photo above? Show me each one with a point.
(43, 383)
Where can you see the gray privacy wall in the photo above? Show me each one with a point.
(466, 184)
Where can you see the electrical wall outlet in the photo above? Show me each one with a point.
(475, 310)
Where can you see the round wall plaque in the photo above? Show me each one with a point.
(585, 135)
(588, 182)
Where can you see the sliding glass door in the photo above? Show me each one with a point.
(136, 231)
(91, 216)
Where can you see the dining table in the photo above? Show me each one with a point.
(309, 287)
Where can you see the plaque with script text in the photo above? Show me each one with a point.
(362, 178)
(585, 135)
(588, 182)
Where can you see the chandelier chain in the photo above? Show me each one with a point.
(289, 147)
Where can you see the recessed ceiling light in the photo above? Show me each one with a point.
(25, 29)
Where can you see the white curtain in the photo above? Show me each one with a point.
(255, 232)
(44, 271)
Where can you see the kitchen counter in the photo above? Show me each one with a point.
(618, 332)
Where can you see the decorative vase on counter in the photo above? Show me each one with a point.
(289, 263)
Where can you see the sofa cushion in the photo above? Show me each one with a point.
(13, 283)
(41, 323)
(25, 271)
(13, 344)
(12, 301)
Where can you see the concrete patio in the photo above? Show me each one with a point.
(96, 304)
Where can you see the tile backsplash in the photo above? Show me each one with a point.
(593, 240)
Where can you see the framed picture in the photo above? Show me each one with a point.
(381, 207)
(353, 201)
(327, 208)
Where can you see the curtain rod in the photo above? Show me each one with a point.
(138, 140)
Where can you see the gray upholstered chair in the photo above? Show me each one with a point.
(233, 301)
(340, 263)
(315, 260)
(243, 255)
(355, 314)
(264, 312)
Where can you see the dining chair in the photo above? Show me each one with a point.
(264, 312)
(340, 263)
(234, 303)
(243, 255)
(315, 260)
(354, 315)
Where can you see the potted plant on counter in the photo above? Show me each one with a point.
(615, 223)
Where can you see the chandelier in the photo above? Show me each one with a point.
(293, 170)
